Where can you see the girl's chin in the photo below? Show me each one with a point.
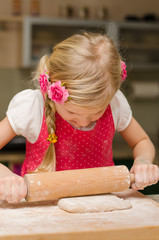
(74, 124)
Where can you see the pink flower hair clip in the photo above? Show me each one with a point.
(44, 82)
(124, 72)
(56, 91)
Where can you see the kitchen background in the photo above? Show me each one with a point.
(29, 28)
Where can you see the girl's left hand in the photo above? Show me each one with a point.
(145, 173)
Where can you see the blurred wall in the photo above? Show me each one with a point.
(116, 9)
(12, 81)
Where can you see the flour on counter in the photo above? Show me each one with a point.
(46, 217)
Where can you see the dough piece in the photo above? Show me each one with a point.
(97, 203)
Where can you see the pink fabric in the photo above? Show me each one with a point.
(35, 152)
(75, 149)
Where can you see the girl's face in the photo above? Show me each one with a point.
(78, 116)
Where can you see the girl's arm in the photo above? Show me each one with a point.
(12, 186)
(146, 173)
(6, 132)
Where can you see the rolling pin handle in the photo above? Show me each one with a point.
(132, 178)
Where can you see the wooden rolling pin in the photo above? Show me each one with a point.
(69, 183)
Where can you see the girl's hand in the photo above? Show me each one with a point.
(12, 186)
(145, 173)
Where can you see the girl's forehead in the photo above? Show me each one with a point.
(80, 110)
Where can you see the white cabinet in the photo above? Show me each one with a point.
(25, 40)
(139, 44)
(41, 34)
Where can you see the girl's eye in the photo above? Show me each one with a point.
(94, 114)
(71, 112)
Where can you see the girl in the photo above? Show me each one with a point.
(79, 100)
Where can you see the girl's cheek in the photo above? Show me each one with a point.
(71, 118)
(95, 118)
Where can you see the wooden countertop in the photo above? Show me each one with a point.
(45, 221)
(154, 197)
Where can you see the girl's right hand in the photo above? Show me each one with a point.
(12, 186)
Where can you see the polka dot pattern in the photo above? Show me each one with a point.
(35, 152)
(75, 149)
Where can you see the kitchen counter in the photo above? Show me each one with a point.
(45, 221)
(154, 197)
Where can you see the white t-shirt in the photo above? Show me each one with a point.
(25, 113)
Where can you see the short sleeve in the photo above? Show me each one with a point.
(121, 111)
(25, 114)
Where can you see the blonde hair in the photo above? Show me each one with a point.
(90, 66)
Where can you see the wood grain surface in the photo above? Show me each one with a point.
(45, 221)
(79, 182)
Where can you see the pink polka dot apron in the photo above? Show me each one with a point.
(75, 149)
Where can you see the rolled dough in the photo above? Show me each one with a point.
(97, 203)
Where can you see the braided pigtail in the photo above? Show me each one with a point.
(49, 162)
(54, 92)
